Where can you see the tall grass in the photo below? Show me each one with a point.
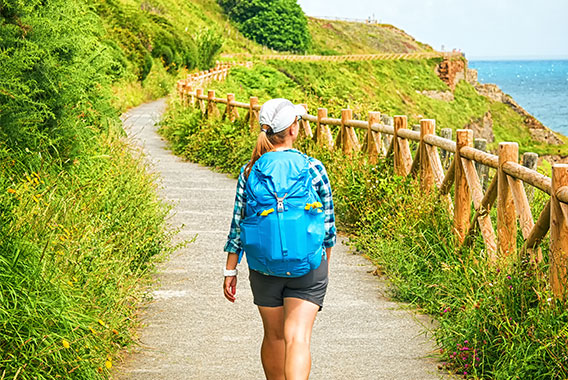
(77, 245)
(493, 323)
(80, 221)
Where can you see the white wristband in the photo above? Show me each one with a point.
(230, 272)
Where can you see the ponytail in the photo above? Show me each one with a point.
(265, 143)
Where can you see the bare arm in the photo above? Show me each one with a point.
(230, 282)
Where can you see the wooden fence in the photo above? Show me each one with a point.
(505, 189)
(219, 72)
(349, 57)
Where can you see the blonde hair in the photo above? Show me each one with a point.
(265, 143)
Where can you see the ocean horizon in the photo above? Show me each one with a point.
(539, 85)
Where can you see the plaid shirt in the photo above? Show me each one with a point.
(321, 185)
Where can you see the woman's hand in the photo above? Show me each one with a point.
(230, 283)
(230, 288)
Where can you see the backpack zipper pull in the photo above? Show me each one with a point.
(280, 202)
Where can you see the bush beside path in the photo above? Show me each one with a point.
(191, 332)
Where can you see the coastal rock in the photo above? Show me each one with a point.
(491, 91)
(537, 130)
(451, 71)
(483, 128)
(446, 96)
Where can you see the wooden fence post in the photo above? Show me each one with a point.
(401, 149)
(253, 114)
(189, 91)
(212, 109)
(371, 142)
(385, 143)
(305, 125)
(231, 112)
(198, 101)
(482, 170)
(530, 160)
(506, 215)
(447, 134)
(323, 133)
(558, 233)
(462, 209)
(345, 137)
(427, 127)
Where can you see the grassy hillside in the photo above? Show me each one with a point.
(343, 37)
(390, 87)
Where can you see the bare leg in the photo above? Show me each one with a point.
(299, 317)
(273, 349)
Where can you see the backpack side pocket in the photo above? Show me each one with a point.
(251, 241)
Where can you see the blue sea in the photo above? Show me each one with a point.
(539, 86)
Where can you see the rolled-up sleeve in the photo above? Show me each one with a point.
(323, 188)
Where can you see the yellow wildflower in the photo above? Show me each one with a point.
(12, 191)
(108, 364)
(65, 343)
(75, 279)
(102, 323)
(92, 329)
(70, 283)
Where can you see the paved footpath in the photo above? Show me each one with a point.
(191, 332)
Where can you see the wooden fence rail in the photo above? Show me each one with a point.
(349, 57)
(505, 191)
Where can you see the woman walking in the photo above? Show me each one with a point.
(283, 220)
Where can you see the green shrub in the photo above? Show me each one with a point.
(146, 66)
(118, 67)
(279, 24)
(79, 217)
(209, 44)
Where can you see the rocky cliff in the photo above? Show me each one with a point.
(451, 71)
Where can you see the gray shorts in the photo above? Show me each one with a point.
(270, 291)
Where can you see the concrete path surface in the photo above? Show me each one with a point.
(191, 332)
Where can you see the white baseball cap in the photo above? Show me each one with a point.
(280, 113)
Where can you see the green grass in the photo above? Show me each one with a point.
(342, 37)
(78, 243)
(80, 220)
(390, 87)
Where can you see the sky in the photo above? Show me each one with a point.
(482, 29)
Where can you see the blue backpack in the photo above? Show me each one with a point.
(283, 228)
